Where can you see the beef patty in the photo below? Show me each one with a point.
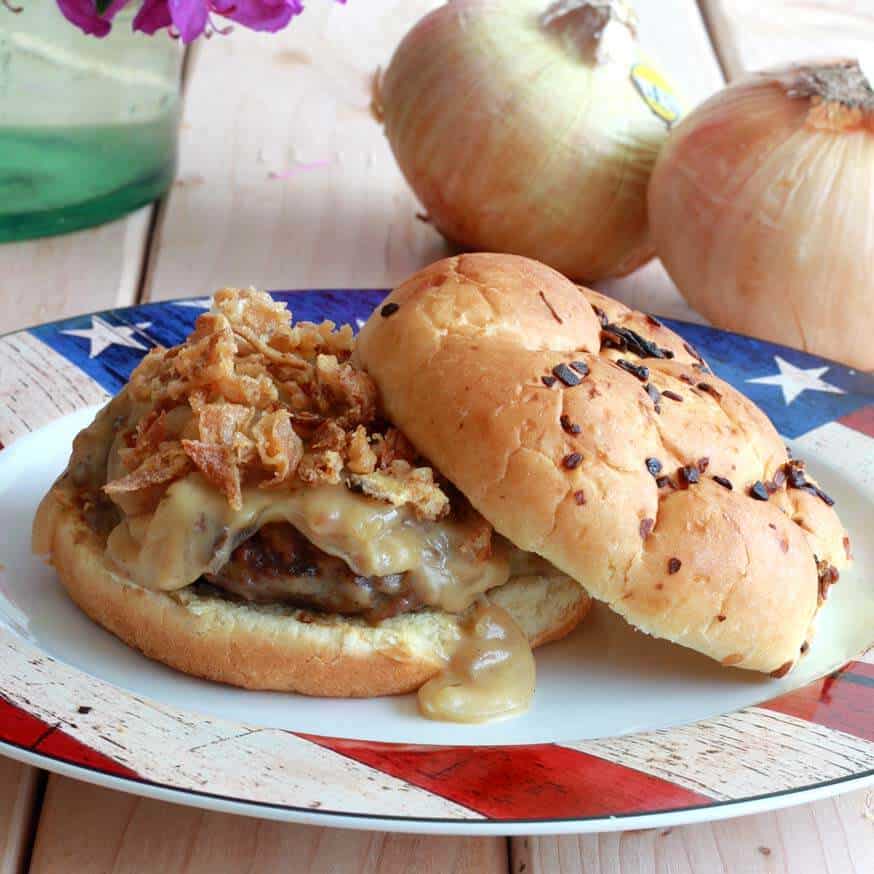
(279, 565)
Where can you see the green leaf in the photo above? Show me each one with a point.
(101, 6)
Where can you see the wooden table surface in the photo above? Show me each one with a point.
(285, 180)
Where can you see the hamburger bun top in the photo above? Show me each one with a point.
(596, 437)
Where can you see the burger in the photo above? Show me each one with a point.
(278, 506)
(243, 511)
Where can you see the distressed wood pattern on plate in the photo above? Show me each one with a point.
(37, 386)
(751, 752)
(189, 751)
(602, 782)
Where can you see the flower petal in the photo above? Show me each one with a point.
(153, 16)
(84, 15)
(269, 15)
(189, 17)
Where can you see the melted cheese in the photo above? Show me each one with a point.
(489, 676)
(193, 531)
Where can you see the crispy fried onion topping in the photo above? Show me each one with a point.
(250, 399)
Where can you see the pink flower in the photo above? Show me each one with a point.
(153, 15)
(191, 17)
(187, 18)
(269, 15)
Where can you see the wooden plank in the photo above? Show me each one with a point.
(18, 797)
(673, 32)
(43, 280)
(88, 829)
(299, 188)
(751, 34)
(828, 837)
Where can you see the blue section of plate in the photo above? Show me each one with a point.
(743, 361)
(798, 391)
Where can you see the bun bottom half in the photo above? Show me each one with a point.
(278, 647)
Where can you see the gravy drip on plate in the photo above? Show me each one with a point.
(490, 675)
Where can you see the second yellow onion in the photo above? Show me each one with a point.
(762, 209)
(531, 129)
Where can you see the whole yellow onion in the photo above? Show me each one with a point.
(531, 129)
(762, 208)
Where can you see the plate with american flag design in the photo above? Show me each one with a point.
(625, 731)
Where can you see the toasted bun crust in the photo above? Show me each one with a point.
(460, 364)
(277, 647)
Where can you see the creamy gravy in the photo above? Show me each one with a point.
(94, 460)
(193, 531)
(489, 676)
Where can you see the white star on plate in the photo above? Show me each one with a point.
(202, 303)
(101, 335)
(794, 380)
(360, 323)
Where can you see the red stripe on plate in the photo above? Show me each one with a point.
(860, 670)
(540, 781)
(843, 701)
(23, 729)
(860, 420)
(61, 745)
(18, 726)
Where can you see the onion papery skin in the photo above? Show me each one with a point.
(515, 142)
(762, 209)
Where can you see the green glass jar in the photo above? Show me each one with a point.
(88, 126)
